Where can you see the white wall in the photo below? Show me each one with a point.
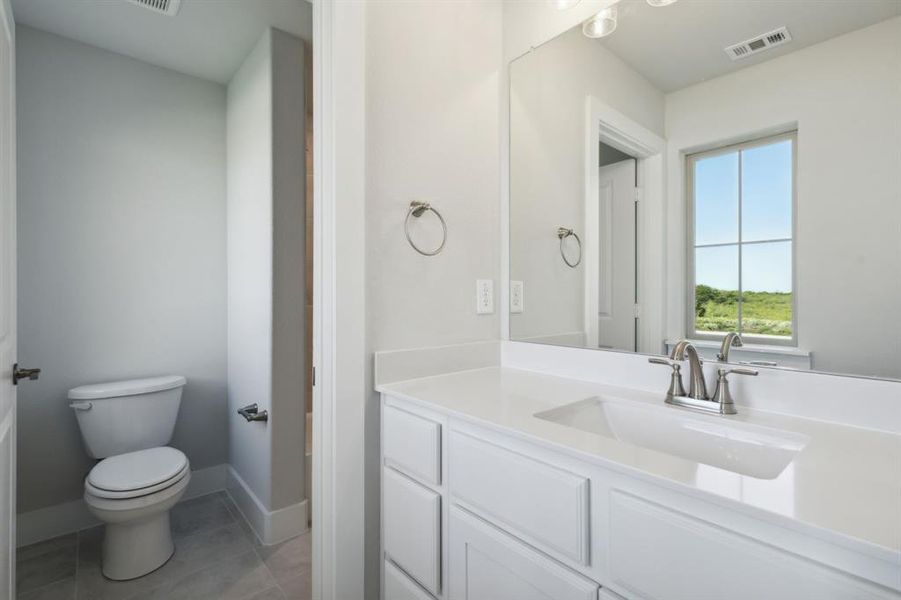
(548, 90)
(845, 97)
(432, 122)
(265, 268)
(121, 229)
(433, 80)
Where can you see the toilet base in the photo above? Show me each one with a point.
(137, 539)
(135, 548)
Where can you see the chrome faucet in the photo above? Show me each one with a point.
(697, 387)
(697, 398)
(731, 340)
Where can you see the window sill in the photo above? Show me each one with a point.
(759, 348)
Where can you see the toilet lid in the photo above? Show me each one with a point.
(137, 470)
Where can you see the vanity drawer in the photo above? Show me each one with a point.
(400, 587)
(411, 516)
(657, 553)
(412, 444)
(544, 505)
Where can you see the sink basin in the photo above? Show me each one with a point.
(760, 452)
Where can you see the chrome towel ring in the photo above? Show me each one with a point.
(416, 210)
(563, 233)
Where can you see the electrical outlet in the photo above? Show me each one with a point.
(484, 296)
(517, 300)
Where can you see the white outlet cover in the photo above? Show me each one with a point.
(484, 296)
(517, 299)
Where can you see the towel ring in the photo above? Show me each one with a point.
(563, 233)
(416, 210)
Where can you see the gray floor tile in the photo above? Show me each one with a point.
(192, 554)
(289, 559)
(199, 514)
(63, 541)
(298, 588)
(234, 578)
(91, 584)
(37, 569)
(273, 593)
(217, 557)
(245, 526)
(61, 590)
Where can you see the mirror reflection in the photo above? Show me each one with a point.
(697, 169)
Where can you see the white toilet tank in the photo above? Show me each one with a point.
(125, 416)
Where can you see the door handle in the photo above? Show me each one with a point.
(30, 374)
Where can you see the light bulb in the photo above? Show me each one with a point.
(656, 3)
(563, 4)
(600, 25)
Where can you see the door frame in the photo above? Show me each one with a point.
(8, 173)
(592, 241)
(339, 309)
(603, 123)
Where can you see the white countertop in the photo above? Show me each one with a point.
(845, 485)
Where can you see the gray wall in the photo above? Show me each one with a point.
(265, 268)
(121, 230)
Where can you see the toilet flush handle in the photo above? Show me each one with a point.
(81, 406)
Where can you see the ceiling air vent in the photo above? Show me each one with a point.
(759, 44)
(163, 7)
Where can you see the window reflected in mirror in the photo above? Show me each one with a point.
(742, 206)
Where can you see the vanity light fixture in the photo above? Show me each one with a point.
(600, 25)
(563, 4)
(656, 3)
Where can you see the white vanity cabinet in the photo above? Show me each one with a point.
(478, 513)
(489, 564)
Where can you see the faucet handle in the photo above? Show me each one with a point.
(675, 386)
(662, 361)
(722, 395)
(722, 373)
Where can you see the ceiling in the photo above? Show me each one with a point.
(208, 39)
(682, 44)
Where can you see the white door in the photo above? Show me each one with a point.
(7, 304)
(616, 256)
(488, 564)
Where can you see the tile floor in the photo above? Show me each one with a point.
(217, 556)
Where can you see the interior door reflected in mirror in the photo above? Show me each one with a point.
(725, 167)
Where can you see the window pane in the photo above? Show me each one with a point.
(766, 187)
(716, 199)
(716, 289)
(767, 284)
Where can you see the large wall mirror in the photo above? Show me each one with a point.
(705, 167)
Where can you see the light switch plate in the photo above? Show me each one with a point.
(484, 296)
(517, 300)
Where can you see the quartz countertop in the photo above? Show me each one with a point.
(844, 486)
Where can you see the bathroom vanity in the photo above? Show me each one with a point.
(674, 189)
(500, 482)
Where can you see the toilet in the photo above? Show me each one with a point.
(127, 424)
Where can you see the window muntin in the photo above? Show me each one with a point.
(741, 247)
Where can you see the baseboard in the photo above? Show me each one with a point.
(271, 526)
(206, 481)
(69, 517)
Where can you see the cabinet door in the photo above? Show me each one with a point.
(412, 528)
(662, 554)
(400, 587)
(488, 564)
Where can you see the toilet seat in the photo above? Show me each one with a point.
(137, 474)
